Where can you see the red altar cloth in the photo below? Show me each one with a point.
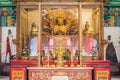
(75, 62)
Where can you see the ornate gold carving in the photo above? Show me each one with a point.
(15, 41)
(103, 42)
(58, 73)
(72, 74)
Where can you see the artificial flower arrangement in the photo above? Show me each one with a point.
(94, 53)
(26, 53)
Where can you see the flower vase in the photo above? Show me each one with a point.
(26, 57)
(94, 57)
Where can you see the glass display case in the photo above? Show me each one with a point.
(60, 31)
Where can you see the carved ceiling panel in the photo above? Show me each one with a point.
(57, 0)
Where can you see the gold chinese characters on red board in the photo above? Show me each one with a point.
(18, 74)
(102, 73)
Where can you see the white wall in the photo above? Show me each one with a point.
(115, 34)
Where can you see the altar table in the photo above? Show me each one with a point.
(70, 73)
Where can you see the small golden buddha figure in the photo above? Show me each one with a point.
(85, 31)
(60, 60)
(34, 30)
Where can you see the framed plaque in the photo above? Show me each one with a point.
(18, 73)
(102, 73)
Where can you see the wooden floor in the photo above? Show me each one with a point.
(7, 78)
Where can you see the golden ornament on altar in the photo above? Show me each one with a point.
(60, 50)
(60, 60)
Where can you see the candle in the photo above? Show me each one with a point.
(48, 58)
(81, 58)
(39, 65)
(71, 43)
(72, 59)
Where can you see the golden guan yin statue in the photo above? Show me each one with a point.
(60, 27)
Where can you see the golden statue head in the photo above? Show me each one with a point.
(34, 30)
(90, 32)
(60, 44)
(60, 13)
(86, 30)
(60, 17)
(87, 25)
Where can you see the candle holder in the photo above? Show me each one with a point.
(48, 63)
(80, 52)
(72, 65)
(48, 59)
(39, 65)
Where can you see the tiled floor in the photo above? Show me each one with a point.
(115, 78)
(4, 78)
(7, 78)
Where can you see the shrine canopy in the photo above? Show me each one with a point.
(6, 3)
